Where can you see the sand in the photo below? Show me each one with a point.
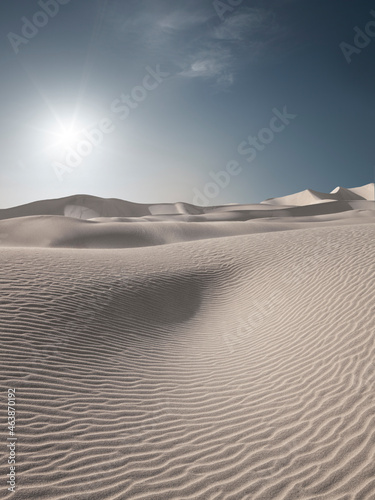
(177, 352)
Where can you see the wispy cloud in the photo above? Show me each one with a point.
(199, 45)
(181, 20)
(250, 23)
(215, 56)
(207, 63)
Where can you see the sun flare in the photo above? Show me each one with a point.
(68, 136)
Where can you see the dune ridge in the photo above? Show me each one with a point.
(89, 222)
(87, 206)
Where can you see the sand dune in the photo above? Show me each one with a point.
(88, 222)
(231, 358)
(309, 196)
(86, 206)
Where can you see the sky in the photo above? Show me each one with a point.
(201, 101)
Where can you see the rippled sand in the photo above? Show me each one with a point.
(219, 359)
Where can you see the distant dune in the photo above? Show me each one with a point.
(84, 221)
(168, 351)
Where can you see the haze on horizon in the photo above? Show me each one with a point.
(147, 101)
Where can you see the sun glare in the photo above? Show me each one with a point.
(63, 136)
(68, 136)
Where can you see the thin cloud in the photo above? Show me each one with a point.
(209, 63)
(198, 45)
(253, 30)
(180, 20)
(248, 24)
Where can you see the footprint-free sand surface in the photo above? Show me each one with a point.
(166, 351)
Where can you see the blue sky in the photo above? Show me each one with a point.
(149, 100)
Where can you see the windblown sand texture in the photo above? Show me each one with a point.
(178, 352)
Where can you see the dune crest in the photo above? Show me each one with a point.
(310, 197)
(112, 223)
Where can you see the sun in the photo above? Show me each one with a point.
(68, 136)
(65, 135)
(59, 133)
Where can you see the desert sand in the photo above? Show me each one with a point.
(167, 351)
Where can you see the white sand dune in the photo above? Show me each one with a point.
(84, 221)
(309, 196)
(231, 355)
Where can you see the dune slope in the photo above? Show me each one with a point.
(232, 368)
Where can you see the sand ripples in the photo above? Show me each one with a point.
(239, 368)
